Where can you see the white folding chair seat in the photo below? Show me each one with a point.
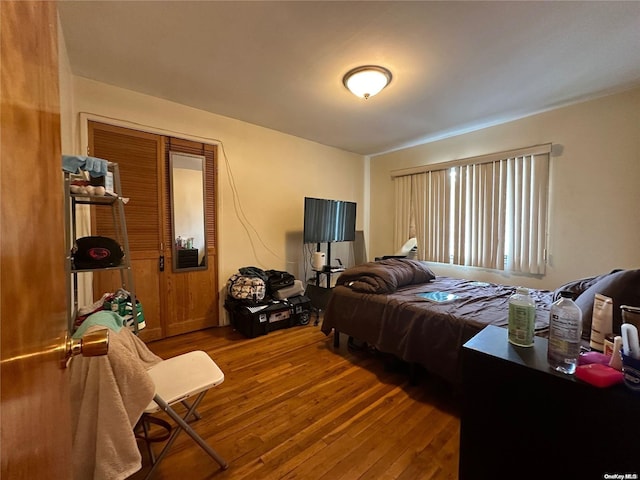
(176, 380)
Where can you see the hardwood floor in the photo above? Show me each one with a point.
(292, 406)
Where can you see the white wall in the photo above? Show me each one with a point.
(272, 173)
(66, 96)
(594, 222)
(69, 142)
(594, 225)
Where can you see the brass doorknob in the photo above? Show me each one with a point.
(92, 344)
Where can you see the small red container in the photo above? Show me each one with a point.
(599, 375)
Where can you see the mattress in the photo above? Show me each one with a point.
(417, 330)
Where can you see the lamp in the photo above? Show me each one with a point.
(366, 81)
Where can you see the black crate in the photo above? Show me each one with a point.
(280, 317)
(300, 309)
(249, 324)
(253, 321)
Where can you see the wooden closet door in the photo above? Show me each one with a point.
(174, 302)
(193, 300)
(140, 159)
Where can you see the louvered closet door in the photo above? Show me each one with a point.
(174, 303)
(193, 300)
(140, 159)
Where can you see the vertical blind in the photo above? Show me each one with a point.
(429, 194)
(488, 211)
(404, 214)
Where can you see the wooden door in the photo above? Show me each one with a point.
(174, 302)
(192, 296)
(139, 157)
(34, 393)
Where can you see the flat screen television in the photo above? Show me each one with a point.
(329, 220)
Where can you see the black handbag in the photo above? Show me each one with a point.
(96, 252)
(277, 280)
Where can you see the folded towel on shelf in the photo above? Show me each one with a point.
(97, 167)
(108, 395)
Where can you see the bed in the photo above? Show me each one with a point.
(379, 303)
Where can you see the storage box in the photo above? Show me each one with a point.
(253, 321)
(300, 309)
(280, 318)
(291, 291)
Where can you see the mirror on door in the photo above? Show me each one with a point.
(187, 211)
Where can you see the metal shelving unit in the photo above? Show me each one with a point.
(116, 202)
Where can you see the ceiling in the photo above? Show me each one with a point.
(457, 66)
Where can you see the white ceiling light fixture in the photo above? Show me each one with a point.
(366, 81)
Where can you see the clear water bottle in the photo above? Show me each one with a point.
(565, 331)
(522, 318)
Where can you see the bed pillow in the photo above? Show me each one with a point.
(577, 287)
(622, 286)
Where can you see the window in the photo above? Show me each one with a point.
(488, 211)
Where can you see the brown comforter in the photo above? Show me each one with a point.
(418, 330)
(385, 276)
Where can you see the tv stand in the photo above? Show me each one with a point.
(328, 269)
(332, 269)
(327, 272)
(318, 294)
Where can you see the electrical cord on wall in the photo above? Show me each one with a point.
(242, 217)
(237, 206)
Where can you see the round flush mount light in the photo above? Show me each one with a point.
(366, 81)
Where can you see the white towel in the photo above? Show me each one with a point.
(108, 396)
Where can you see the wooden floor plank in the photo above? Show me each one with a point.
(293, 407)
